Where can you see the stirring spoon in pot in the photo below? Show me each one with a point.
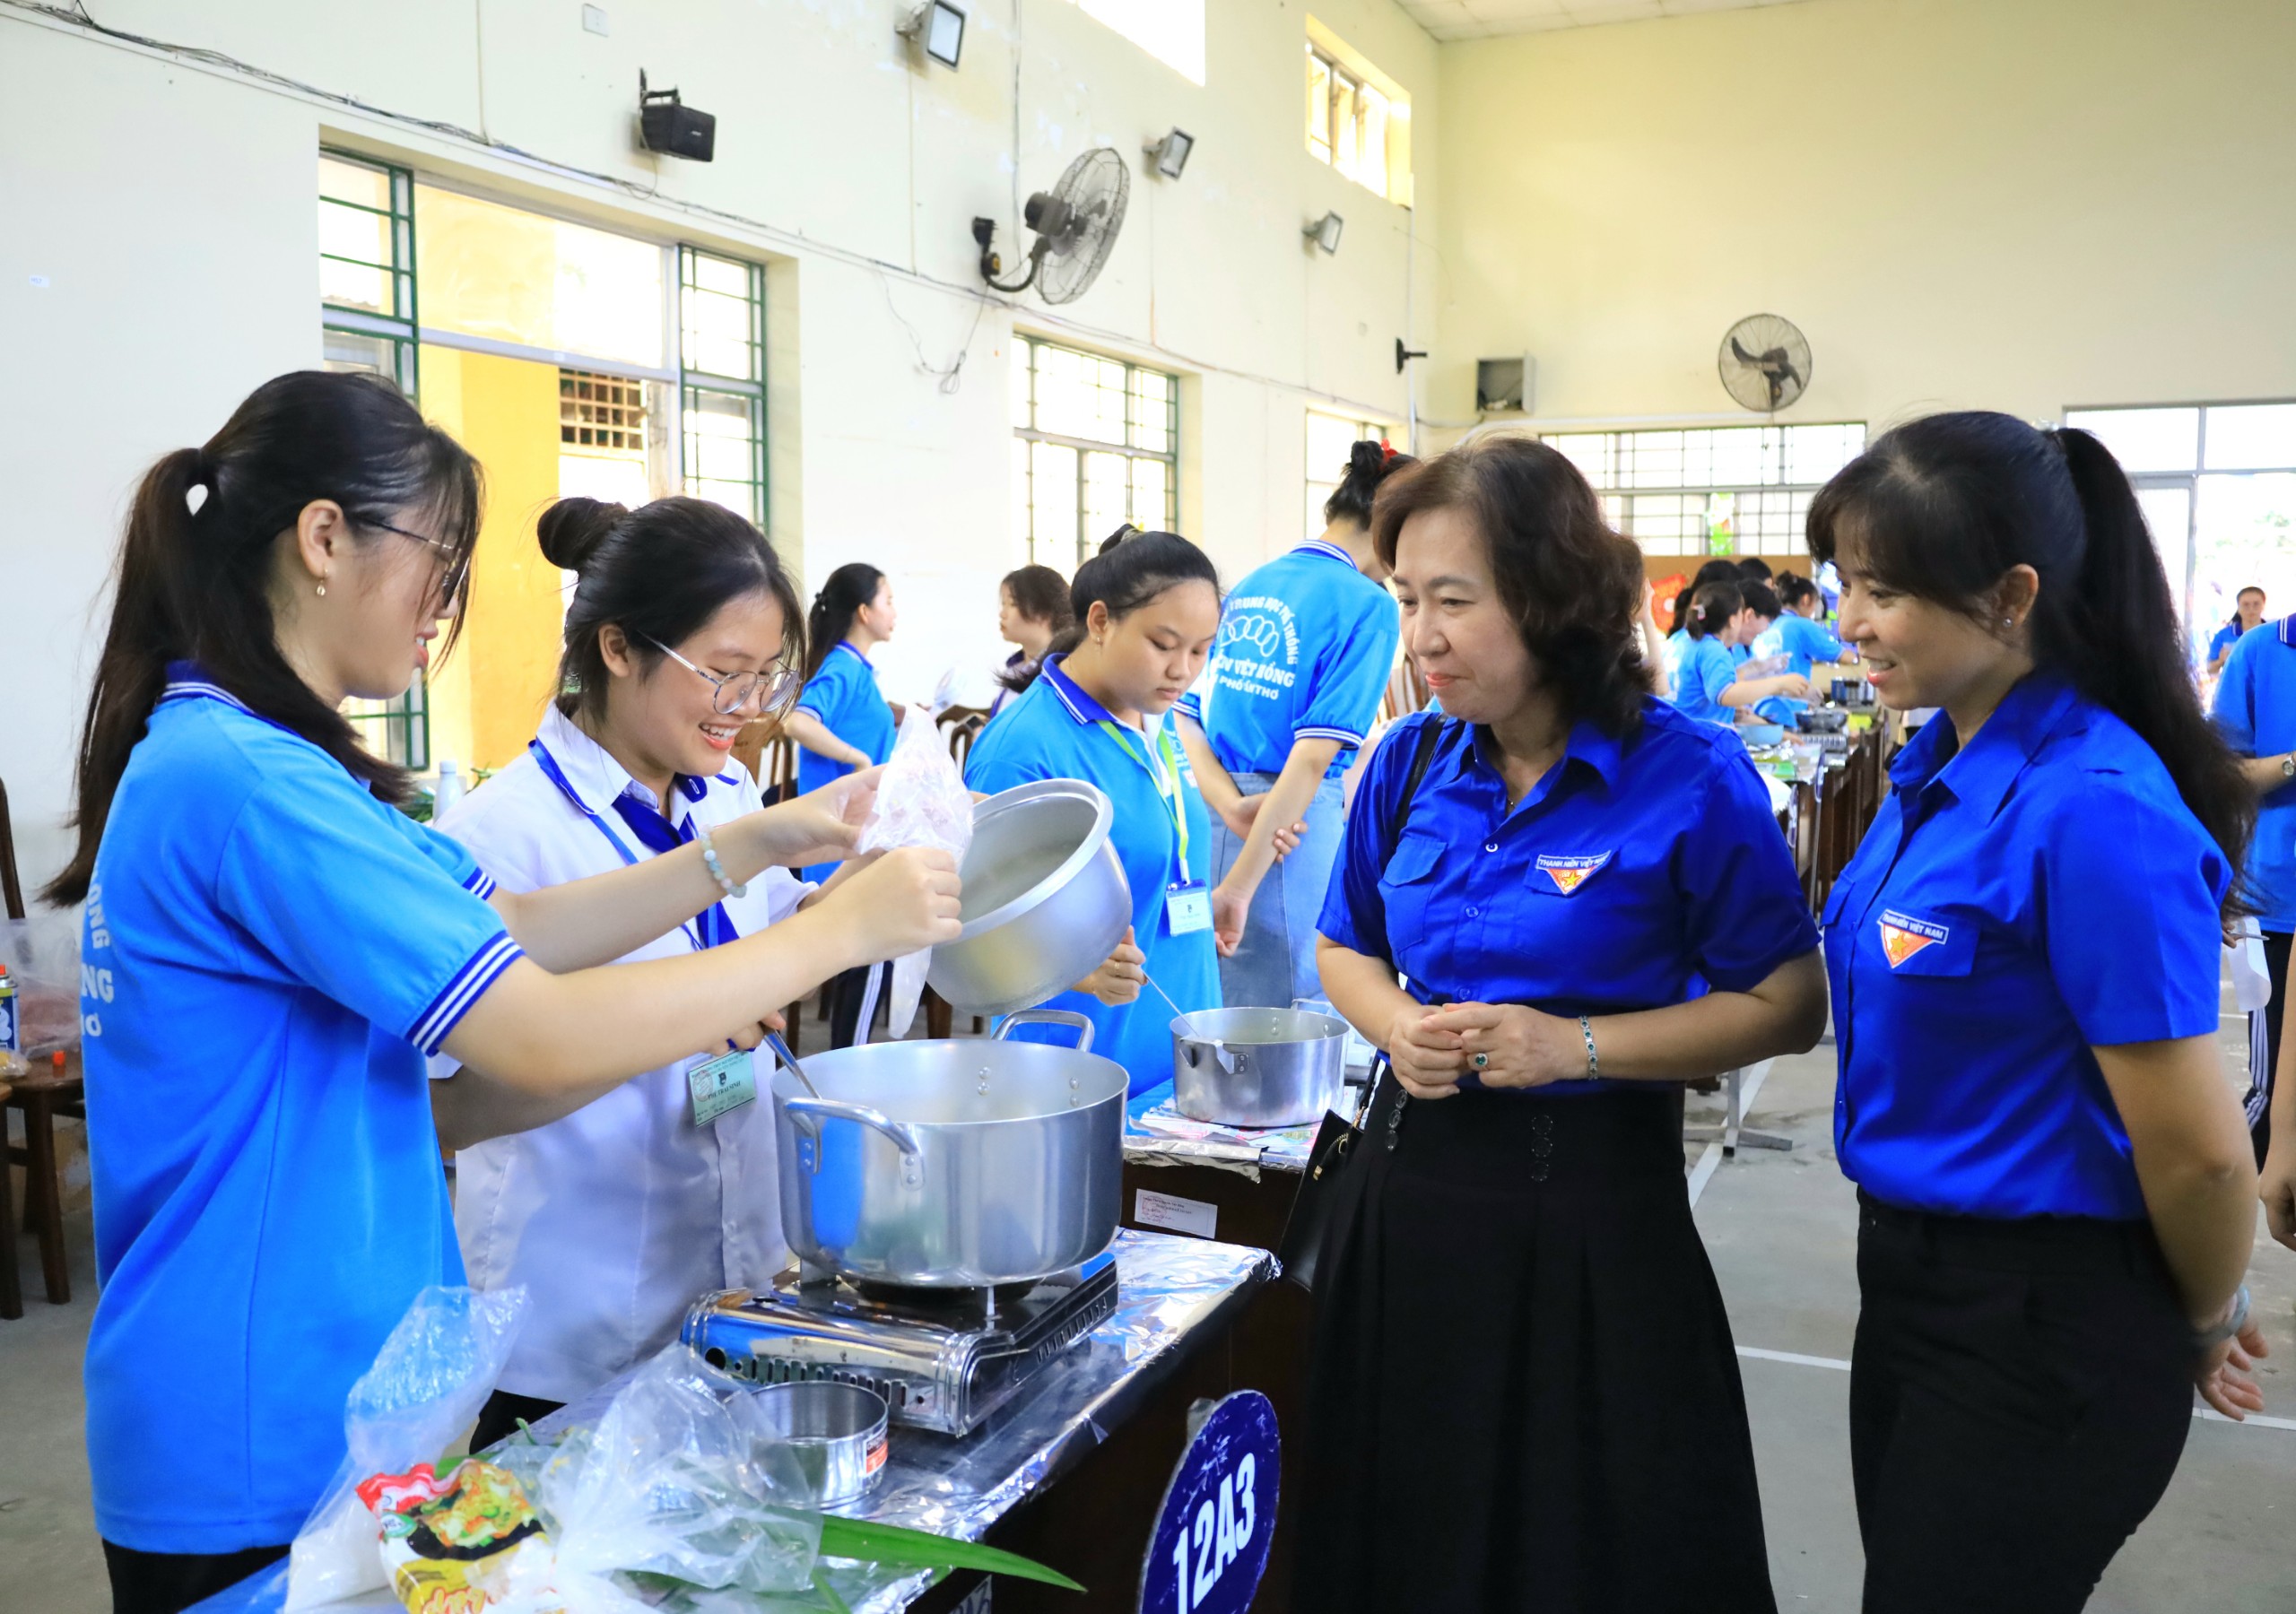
(781, 1051)
(1176, 1009)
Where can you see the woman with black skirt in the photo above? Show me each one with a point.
(1524, 1394)
(2057, 1197)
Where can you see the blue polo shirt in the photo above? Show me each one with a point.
(269, 953)
(1306, 645)
(1053, 732)
(844, 696)
(2017, 902)
(2255, 710)
(2228, 634)
(1639, 870)
(1703, 672)
(1801, 640)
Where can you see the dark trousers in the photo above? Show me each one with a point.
(846, 992)
(2019, 1397)
(164, 1582)
(2258, 1102)
(499, 1419)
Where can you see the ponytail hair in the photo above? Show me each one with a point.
(1131, 568)
(1711, 607)
(194, 572)
(658, 573)
(850, 587)
(1793, 589)
(1369, 463)
(1943, 507)
(1713, 571)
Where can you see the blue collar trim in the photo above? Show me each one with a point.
(1980, 773)
(188, 680)
(1317, 546)
(1071, 694)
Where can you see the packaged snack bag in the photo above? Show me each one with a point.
(460, 1542)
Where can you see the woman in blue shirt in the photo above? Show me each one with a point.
(1706, 681)
(2057, 1196)
(1800, 635)
(270, 948)
(1031, 612)
(2247, 611)
(1307, 642)
(842, 723)
(1147, 607)
(1524, 1394)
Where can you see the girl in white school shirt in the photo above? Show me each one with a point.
(682, 627)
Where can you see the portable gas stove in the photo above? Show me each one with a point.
(944, 1360)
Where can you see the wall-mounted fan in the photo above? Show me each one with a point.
(1076, 223)
(1765, 362)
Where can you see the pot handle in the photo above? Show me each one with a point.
(834, 1109)
(1048, 1017)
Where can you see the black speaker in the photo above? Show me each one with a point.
(668, 125)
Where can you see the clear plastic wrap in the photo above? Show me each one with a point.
(428, 1383)
(921, 801)
(43, 954)
(681, 1477)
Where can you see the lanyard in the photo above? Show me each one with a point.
(1168, 783)
(715, 917)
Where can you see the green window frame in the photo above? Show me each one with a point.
(376, 339)
(721, 381)
(1075, 479)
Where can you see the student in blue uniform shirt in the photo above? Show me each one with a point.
(1523, 1375)
(2058, 1200)
(1031, 612)
(1306, 646)
(2256, 711)
(2248, 612)
(1707, 685)
(271, 948)
(1798, 634)
(842, 722)
(1147, 607)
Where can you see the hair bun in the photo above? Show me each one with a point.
(571, 530)
(1368, 458)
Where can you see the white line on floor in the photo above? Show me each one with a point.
(2256, 1420)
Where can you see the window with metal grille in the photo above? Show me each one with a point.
(1331, 438)
(1095, 443)
(1729, 489)
(601, 412)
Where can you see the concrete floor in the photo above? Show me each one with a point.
(1781, 1229)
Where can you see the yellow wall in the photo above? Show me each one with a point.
(488, 697)
(2016, 203)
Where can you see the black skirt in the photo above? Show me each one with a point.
(1524, 1394)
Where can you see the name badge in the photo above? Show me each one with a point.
(1188, 908)
(720, 1086)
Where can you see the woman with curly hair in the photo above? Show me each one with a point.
(1524, 1394)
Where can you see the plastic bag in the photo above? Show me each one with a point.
(43, 954)
(921, 801)
(2244, 954)
(682, 1477)
(428, 1383)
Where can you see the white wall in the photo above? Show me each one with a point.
(2019, 205)
(175, 232)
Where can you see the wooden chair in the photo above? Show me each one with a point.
(41, 1097)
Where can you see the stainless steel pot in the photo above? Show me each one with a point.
(1045, 898)
(1258, 1067)
(952, 1164)
(835, 1432)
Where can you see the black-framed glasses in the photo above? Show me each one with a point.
(737, 689)
(457, 562)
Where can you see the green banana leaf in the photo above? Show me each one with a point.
(868, 1542)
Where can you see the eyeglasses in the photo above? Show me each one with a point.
(737, 689)
(457, 562)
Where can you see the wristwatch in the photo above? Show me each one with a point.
(2288, 766)
(2236, 1318)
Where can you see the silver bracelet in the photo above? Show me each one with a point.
(2234, 1322)
(1594, 1062)
(709, 862)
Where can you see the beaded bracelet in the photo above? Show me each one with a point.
(1594, 1064)
(709, 862)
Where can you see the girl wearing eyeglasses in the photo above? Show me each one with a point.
(683, 627)
(270, 949)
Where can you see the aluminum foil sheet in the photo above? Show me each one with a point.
(1168, 1288)
(1157, 1133)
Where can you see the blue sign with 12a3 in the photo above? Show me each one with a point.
(1210, 1545)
